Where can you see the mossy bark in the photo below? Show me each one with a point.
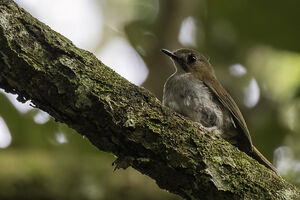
(76, 88)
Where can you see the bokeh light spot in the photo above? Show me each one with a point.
(187, 33)
(251, 94)
(121, 57)
(5, 136)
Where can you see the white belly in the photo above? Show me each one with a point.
(192, 98)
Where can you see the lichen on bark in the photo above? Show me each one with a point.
(76, 88)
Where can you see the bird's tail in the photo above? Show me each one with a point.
(262, 160)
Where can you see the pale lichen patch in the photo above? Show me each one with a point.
(66, 61)
(4, 19)
(108, 101)
(287, 194)
(215, 174)
(129, 123)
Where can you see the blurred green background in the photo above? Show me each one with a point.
(253, 45)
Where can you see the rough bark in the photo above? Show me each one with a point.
(74, 87)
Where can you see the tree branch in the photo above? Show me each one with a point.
(116, 116)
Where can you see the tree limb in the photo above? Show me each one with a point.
(116, 116)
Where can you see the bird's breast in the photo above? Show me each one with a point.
(190, 97)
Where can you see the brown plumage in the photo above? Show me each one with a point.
(194, 91)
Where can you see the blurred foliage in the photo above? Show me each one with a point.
(260, 35)
(62, 175)
(37, 166)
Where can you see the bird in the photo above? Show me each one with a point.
(194, 91)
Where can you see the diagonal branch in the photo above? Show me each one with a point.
(116, 116)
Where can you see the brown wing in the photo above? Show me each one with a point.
(229, 103)
(244, 137)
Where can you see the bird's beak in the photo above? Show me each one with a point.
(169, 53)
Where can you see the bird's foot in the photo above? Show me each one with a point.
(213, 129)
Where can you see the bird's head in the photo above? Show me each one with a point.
(189, 61)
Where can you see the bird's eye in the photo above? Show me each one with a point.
(191, 59)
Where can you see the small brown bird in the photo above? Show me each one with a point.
(194, 91)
